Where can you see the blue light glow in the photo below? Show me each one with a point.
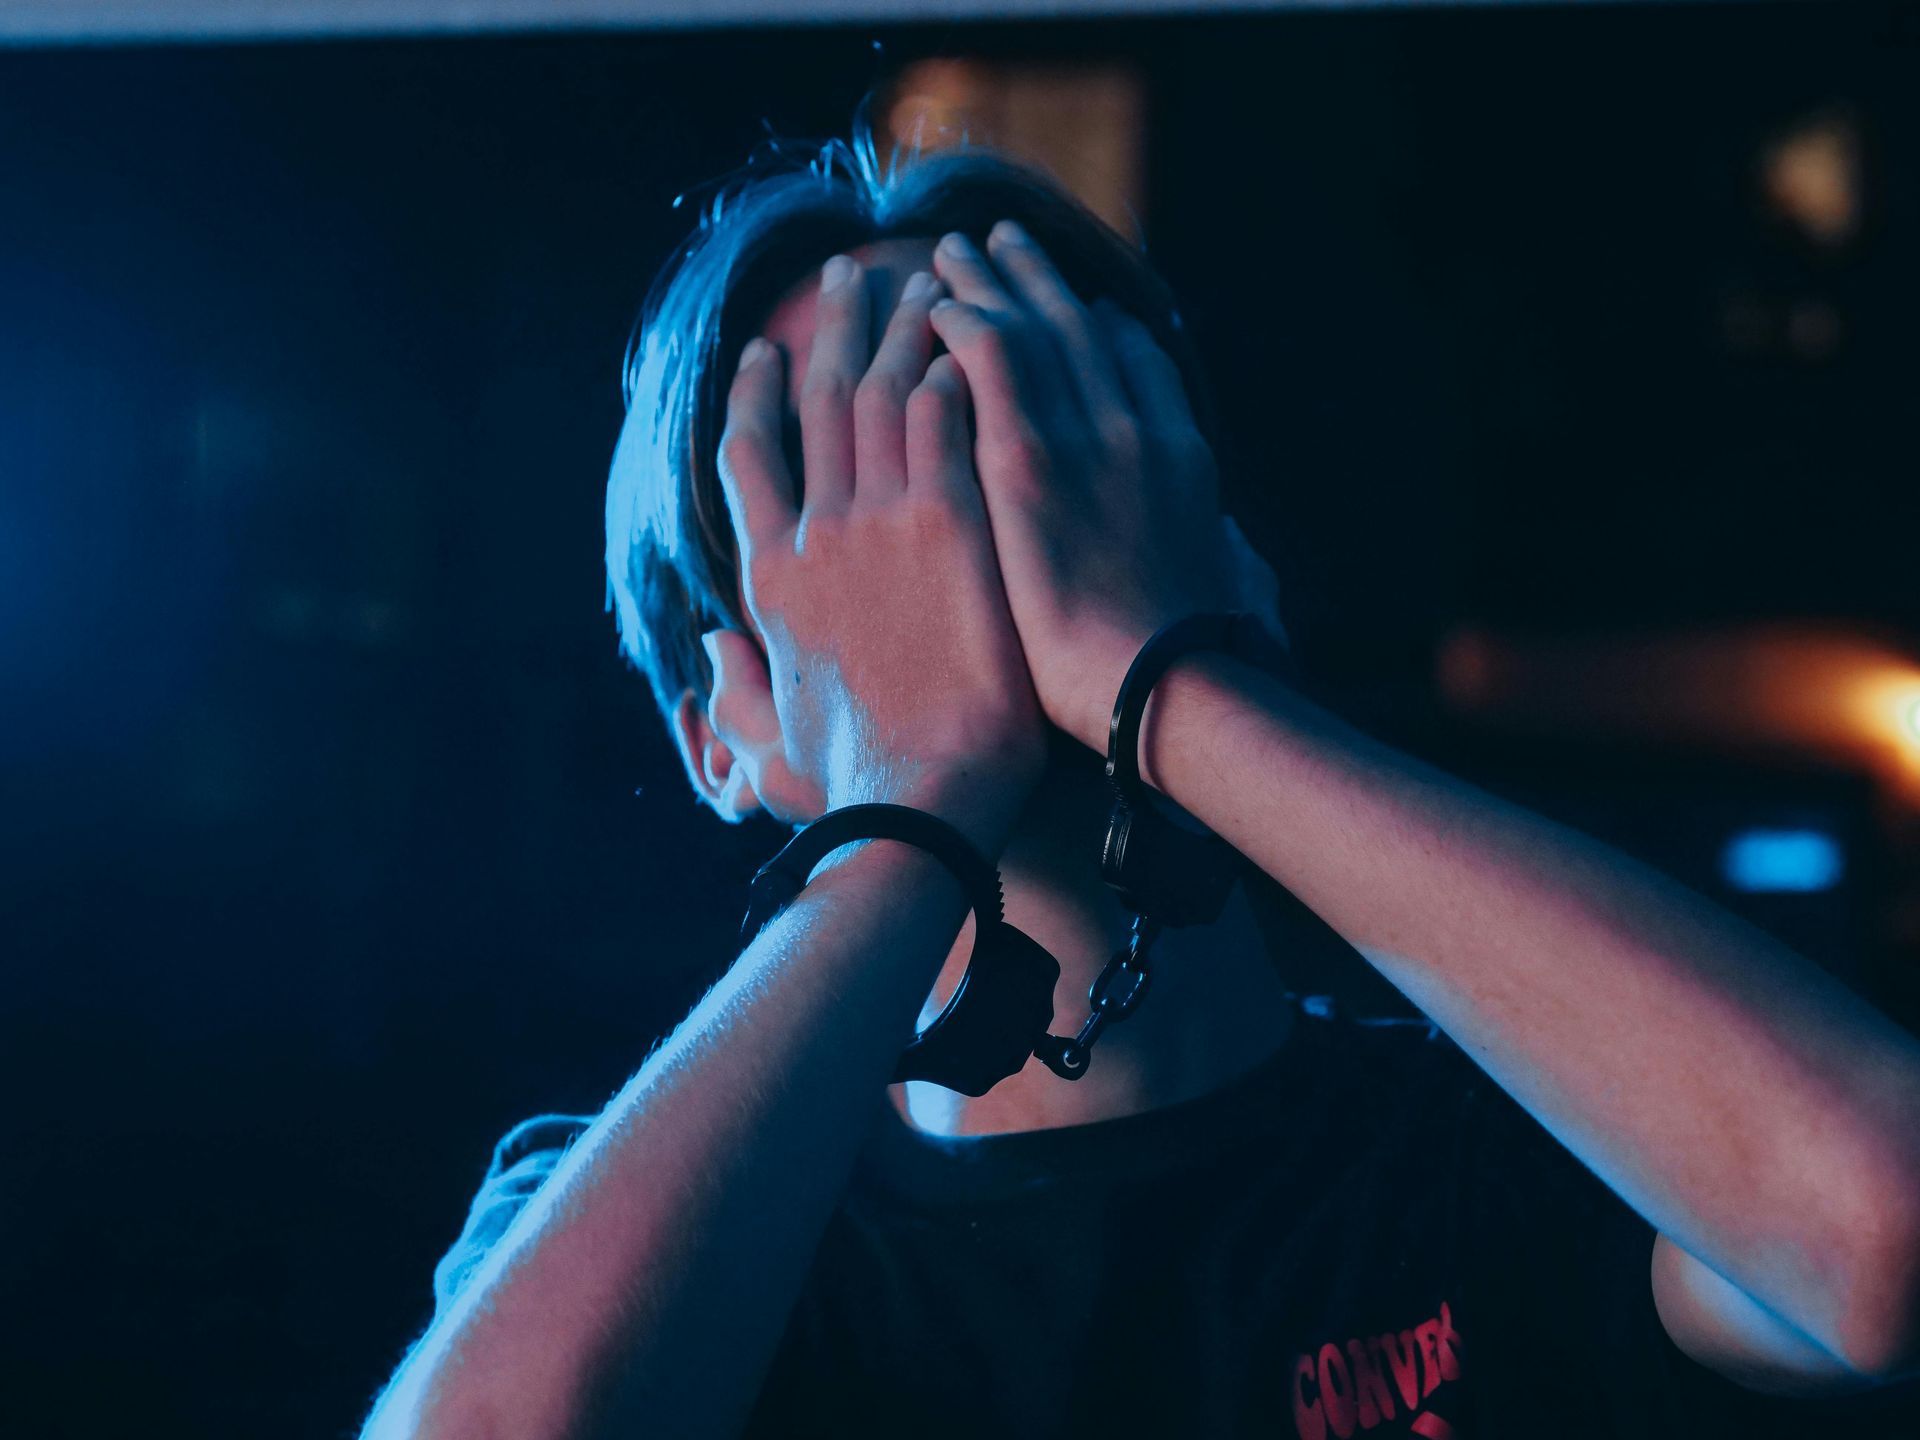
(1782, 862)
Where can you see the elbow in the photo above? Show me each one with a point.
(1880, 1355)
(1877, 1317)
(1879, 1342)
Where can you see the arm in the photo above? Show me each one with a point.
(647, 1283)
(1761, 1117)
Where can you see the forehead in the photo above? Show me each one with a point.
(888, 263)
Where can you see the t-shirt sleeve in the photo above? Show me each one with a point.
(521, 1162)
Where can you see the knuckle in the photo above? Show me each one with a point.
(739, 450)
(925, 518)
(1068, 316)
(1021, 449)
(997, 333)
(825, 394)
(761, 570)
(1120, 435)
(821, 536)
(933, 398)
(953, 318)
(1012, 327)
(878, 396)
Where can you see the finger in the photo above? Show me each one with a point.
(939, 444)
(970, 275)
(1082, 344)
(1005, 414)
(1153, 381)
(753, 467)
(973, 280)
(880, 404)
(835, 364)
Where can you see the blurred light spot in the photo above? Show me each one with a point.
(1083, 123)
(1772, 328)
(933, 104)
(1886, 705)
(1844, 696)
(1810, 177)
(1813, 329)
(1782, 862)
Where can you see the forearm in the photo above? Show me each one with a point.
(649, 1281)
(1751, 1108)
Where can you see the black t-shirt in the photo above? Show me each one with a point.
(1363, 1236)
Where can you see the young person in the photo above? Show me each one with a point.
(891, 529)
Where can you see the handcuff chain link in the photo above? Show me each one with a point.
(1114, 995)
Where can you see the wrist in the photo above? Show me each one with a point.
(1082, 686)
(1186, 695)
(981, 803)
(1195, 653)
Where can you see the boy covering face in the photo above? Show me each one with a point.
(915, 464)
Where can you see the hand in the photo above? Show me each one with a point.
(1103, 495)
(895, 670)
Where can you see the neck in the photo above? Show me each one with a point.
(1216, 1008)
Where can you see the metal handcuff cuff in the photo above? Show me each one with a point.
(1004, 1001)
(1165, 873)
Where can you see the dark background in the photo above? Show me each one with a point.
(334, 837)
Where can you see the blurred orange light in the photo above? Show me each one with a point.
(1887, 708)
(1083, 123)
(1852, 698)
(1811, 177)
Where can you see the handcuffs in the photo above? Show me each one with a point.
(1166, 873)
(1003, 1002)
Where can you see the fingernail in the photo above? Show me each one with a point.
(837, 272)
(956, 246)
(753, 351)
(945, 303)
(1008, 232)
(919, 285)
(710, 642)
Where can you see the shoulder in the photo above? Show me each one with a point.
(521, 1161)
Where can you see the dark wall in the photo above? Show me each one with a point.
(333, 835)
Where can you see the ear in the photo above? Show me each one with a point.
(730, 739)
(716, 778)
